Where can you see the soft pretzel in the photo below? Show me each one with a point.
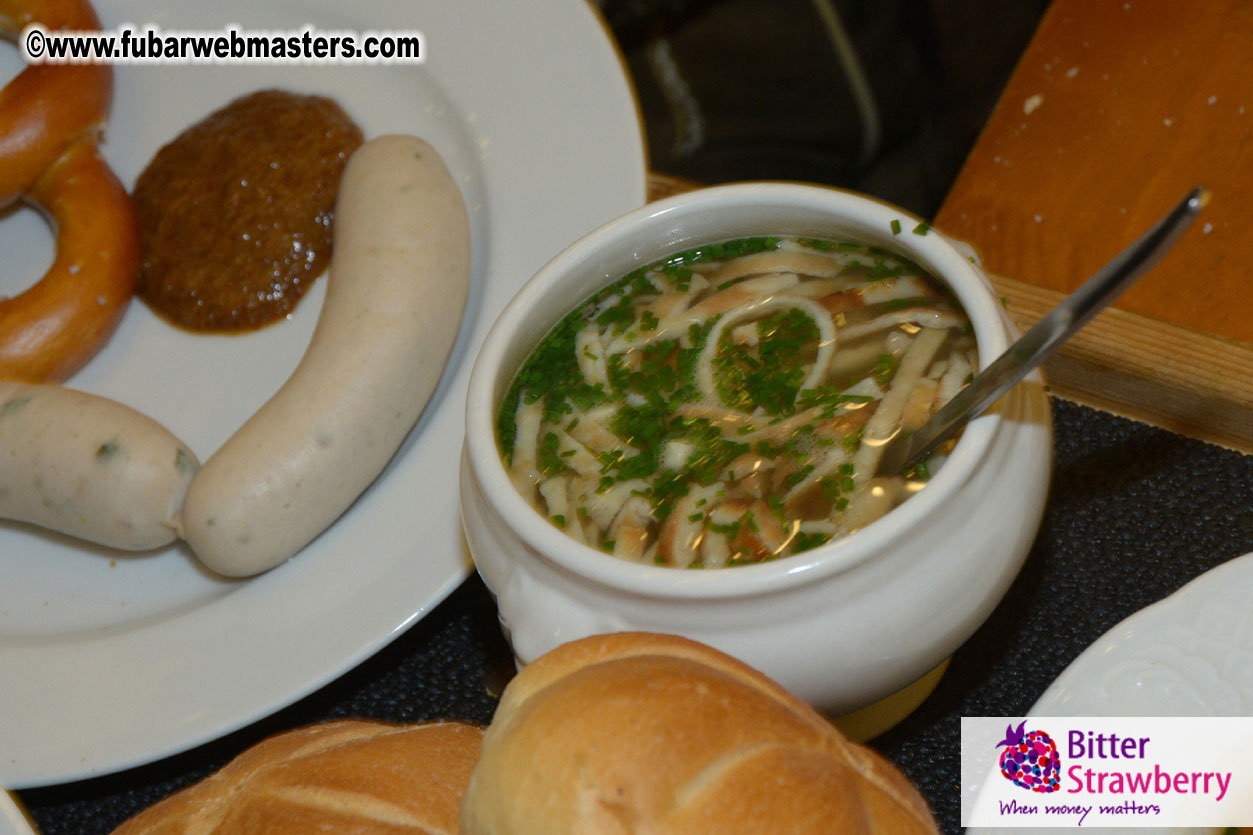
(47, 107)
(50, 117)
(48, 332)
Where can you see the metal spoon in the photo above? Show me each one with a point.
(906, 449)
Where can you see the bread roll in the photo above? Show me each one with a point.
(642, 733)
(343, 776)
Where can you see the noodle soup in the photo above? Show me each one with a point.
(728, 405)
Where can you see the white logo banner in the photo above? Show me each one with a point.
(1099, 771)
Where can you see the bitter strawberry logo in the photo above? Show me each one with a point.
(1030, 759)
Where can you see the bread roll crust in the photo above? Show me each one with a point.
(643, 733)
(344, 776)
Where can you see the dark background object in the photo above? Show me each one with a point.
(880, 96)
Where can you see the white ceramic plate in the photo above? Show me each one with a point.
(110, 660)
(12, 819)
(1190, 654)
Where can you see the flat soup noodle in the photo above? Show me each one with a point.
(714, 409)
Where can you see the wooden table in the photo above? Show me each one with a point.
(1114, 112)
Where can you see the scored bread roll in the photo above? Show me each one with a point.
(341, 776)
(645, 733)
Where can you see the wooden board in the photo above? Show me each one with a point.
(1114, 112)
(1196, 384)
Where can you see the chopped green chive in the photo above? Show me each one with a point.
(11, 406)
(649, 384)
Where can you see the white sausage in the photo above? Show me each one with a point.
(396, 290)
(89, 467)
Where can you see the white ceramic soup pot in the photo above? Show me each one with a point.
(843, 625)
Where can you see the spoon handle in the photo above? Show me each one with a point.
(1039, 343)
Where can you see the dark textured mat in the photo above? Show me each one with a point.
(1135, 513)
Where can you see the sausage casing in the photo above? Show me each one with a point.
(89, 467)
(397, 287)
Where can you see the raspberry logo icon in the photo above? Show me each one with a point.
(1030, 759)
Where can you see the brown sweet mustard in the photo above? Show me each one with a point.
(236, 213)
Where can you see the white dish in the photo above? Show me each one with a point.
(12, 820)
(843, 625)
(1190, 654)
(109, 660)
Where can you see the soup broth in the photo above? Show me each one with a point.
(728, 405)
